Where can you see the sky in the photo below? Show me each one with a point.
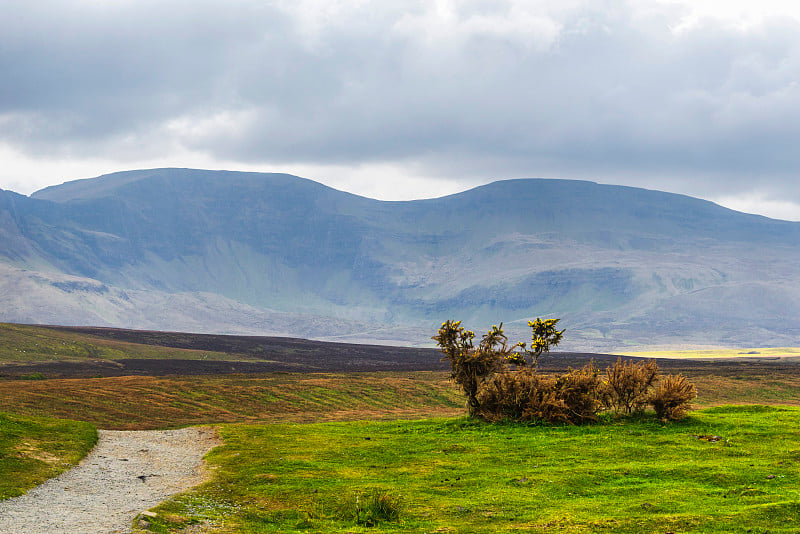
(399, 100)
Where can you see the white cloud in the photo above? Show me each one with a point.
(741, 14)
(762, 204)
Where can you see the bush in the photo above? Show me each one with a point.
(495, 392)
(544, 336)
(472, 366)
(627, 385)
(671, 399)
(525, 395)
(580, 391)
(522, 395)
(33, 376)
(370, 508)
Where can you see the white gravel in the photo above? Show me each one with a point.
(125, 474)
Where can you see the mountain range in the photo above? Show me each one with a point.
(274, 254)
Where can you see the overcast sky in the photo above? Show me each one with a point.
(410, 99)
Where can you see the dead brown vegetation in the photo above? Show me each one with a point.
(671, 398)
(138, 403)
(627, 385)
(526, 395)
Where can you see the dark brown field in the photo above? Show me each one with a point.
(257, 355)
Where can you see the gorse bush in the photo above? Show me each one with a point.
(544, 336)
(672, 397)
(627, 385)
(470, 366)
(519, 395)
(581, 392)
(525, 395)
(500, 385)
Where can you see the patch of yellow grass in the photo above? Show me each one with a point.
(715, 353)
(29, 450)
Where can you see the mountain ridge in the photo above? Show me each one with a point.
(623, 266)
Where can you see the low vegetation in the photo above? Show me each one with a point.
(525, 395)
(671, 398)
(143, 402)
(33, 449)
(628, 384)
(726, 470)
(28, 343)
(501, 381)
(368, 508)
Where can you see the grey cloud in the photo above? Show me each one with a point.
(488, 89)
(94, 70)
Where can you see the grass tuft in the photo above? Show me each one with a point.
(369, 508)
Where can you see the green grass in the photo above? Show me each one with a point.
(459, 475)
(35, 449)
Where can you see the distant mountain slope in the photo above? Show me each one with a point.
(220, 251)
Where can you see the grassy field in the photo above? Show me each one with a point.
(35, 449)
(726, 469)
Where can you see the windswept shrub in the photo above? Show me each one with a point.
(627, 385)
(469, 365)
(580, 390)
(522, 395)
(499, 384)
(671, 399)
(525, 395)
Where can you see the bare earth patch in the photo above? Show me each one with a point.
(125, 474)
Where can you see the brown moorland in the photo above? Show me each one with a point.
(146, 402)
(133, 388)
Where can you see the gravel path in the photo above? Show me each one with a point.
(125, 474)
